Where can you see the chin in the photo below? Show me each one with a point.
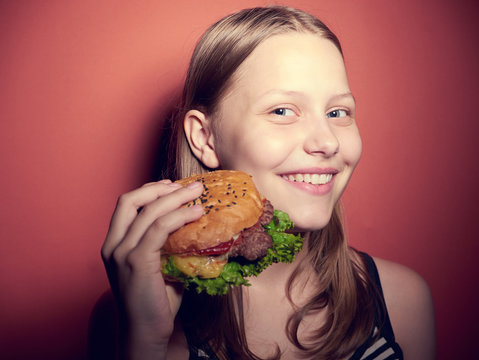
(307, 215)
(311, 222)
(308, 227)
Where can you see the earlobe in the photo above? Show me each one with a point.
(200, 137)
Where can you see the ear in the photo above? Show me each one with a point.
(200, 137)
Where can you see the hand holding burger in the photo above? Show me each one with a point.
(238, 236)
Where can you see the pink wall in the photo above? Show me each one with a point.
(82, 87)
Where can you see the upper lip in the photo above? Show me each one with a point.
(314, 170)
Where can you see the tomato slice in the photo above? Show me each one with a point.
(216, 250)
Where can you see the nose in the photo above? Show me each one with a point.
(321, 140)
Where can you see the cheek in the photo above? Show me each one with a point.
(351, 147)
(249, 149)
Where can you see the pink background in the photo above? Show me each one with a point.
(83, 87)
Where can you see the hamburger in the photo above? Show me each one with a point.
(239, 235)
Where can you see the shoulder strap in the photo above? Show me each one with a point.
(385, 346)
(386, 327)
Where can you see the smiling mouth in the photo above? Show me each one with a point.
(314, 179)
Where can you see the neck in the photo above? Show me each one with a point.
(277, 275)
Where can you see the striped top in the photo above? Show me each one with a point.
(384, 348)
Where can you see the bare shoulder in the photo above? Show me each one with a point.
(410, 307)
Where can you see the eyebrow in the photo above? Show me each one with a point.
(281, 92)
(338, 97)
(348, 95)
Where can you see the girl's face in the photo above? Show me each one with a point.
(288, 120)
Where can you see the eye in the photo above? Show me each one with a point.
(283, 112)
(337, 113)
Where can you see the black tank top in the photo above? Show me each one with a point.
(383, 348)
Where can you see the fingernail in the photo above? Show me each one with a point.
(194, 185)
(198, 208)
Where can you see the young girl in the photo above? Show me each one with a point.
(266, 93)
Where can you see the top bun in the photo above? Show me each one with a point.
(231, 203)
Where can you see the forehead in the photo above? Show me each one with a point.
(292, 61)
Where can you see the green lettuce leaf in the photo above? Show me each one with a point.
(284, 249)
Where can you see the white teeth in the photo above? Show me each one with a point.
(315, 179)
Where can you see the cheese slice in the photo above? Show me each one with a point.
(206, 267)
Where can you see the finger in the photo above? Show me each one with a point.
(174, 292)
(127, 210)
(164, 181)
(158, 232)
(129, 203)
(157, 209)
(144, 259)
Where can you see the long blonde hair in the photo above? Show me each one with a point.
(345, 290)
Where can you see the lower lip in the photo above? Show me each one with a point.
(320, 189)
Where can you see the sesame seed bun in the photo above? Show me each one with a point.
(231, 203)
